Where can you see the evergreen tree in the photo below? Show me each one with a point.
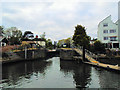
(80, 37)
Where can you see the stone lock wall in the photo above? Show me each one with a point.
(66, 54)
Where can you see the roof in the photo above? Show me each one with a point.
(116, 22)
(1, 38)
(35, 39)
(110, 19)
(1, 33)
(104, 19)
(5, 40)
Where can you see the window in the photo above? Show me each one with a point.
(112, 31)
(105, 24)
(113, 39)
(105, 38)
(105, 31)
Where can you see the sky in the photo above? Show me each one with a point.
(57, 18)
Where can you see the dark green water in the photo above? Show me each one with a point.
(54, 73)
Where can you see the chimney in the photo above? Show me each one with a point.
(36, 36)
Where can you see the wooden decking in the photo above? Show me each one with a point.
(92, 61)
(107, 66)
(66, 49)
(86, 56)
(77, 57)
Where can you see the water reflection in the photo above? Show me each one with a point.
(56, 73)
(108, 79)
(15, 72)
(81, 72)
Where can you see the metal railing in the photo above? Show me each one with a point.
(87, 52)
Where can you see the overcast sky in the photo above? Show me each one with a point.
(57, 18)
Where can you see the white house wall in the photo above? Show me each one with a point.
(119, 21)
(110, 26)
(42, 43)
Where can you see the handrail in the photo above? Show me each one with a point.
(89, 53)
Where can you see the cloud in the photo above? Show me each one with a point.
(57, 18)
(59, 1)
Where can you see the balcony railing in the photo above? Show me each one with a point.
(113, 40)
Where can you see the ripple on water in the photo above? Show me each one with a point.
(54, 73)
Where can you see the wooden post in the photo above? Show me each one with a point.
(83, 53)
(32, 54)
(25, 68)
(25, 52)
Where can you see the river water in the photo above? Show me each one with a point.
(56, 73)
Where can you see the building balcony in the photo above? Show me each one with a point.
(113, 40)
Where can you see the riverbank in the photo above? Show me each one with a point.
(112, 61)
(19, 56)
(68, 54)
(12, 57)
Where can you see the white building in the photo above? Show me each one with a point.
(37, 41)
(108, 33)
(119, 22)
